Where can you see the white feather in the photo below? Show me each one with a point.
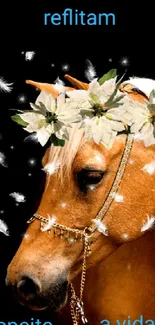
(51, 168)
(148, 224)
(49, 225)
(118, 198)
(5, 86)
(4, 228)
(2, 159)
(29, 55)
(149, 168)
(90, 72)
(31, 138)
(59, 84)
(18, 197)
(101, 227)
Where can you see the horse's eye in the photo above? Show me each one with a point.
(89, 177)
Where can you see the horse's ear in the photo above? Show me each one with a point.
(45, 158)
(133, 92)
(76, 83)
(49, 88)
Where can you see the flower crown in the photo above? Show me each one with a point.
(102, 108)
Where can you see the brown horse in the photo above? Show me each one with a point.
(119, 280)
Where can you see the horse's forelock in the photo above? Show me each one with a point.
(65, 155)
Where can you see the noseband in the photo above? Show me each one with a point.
(85, 234)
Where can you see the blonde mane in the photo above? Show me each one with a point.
(64, 156)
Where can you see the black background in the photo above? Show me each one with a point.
(22, 29)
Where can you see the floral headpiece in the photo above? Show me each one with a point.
(103, 108)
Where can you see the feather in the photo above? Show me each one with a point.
(101, 227)
(31, 138)
(5, 86)
(29, 55)
(149, 168)
(148, 224)
(18, 197)
(49, 225)
(90, 72)
(2, 159)
(4, 228)
(51, 168)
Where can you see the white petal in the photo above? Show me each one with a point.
(31, 117)
(47, 99)
(117, 126)
(43, 135)
(60, 101)
(109, 86)
(77, 94)
(94, 87)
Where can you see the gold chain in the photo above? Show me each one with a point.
(76, 303)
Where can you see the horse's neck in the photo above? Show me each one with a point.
(121, 285)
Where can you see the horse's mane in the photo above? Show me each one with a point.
(65, 155)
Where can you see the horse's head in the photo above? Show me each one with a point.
(80, 176)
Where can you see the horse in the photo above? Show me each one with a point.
(97, 263)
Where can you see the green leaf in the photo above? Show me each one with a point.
(17, 119)
(57, 142)
(152, 96)
(151, 108)
(109, 75)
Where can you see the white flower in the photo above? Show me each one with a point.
(142, 118)
(102, 92)
(104, 96)
(102, 129)
(50, 116)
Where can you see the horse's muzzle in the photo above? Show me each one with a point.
(31, 293)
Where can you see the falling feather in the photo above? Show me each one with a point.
(29, 55)
(51, 168)
(148, 224)
(31, 138)
(3, 159)
(4, 228)
(49, 225)
(18, 197)
(5, 86)
(90, 72)
(59, 84)
(149, 168)
(101, 227)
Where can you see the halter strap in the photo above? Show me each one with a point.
(116, 183)
(106, 205)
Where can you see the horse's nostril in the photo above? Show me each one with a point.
(28, 288)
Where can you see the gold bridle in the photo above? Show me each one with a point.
(76, 303)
